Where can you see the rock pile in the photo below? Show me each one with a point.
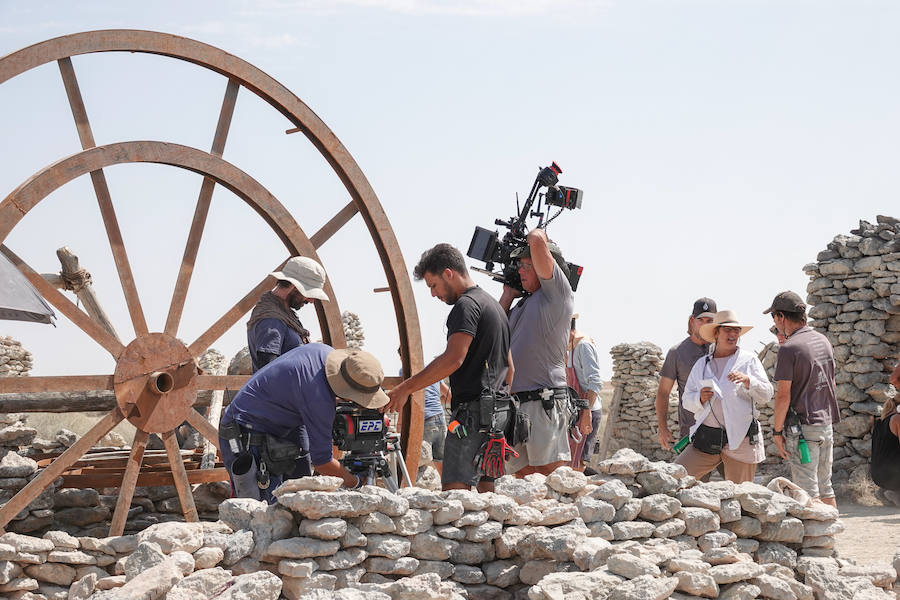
(638, 530)
(353, 330)
(854, 298)
(15, 361)
(636, 368)
(17, 470)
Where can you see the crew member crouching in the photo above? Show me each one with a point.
(258, 434)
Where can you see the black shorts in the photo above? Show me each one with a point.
(459, 453)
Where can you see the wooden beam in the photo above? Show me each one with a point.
(129, 479)
(67, 402)
(194, 477)
(59, 383)
(334, 224)
(72, 271)
(180, 478)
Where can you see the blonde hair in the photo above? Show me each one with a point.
(889, 408)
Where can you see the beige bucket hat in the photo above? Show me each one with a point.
(306, 275)
(356, 375)
(723, 318)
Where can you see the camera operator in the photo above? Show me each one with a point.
(258, 433)
(539, 335)
(476, 359)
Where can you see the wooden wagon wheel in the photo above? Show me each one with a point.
(156, 378)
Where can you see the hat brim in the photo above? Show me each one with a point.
(309, 292)
(342, 389)
(708, 331)
(711, 315)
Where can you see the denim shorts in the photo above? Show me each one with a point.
(434, 433)
(460, 452)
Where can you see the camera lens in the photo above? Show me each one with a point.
(242, 463)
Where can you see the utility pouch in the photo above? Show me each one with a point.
(231, 432)
(708, 440)
(280, 455)
(486, 404)
(518, 425)
(792, 422)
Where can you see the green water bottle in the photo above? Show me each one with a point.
(803, 448)
(683, 442)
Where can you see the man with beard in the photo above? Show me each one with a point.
(679, 361)
(476, 359)
(274, 328)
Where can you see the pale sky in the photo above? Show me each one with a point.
(720, 145)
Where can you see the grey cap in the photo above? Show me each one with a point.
(787, 302)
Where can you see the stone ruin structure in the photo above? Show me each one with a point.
(638, 530)
(854, 298)
(15, 361)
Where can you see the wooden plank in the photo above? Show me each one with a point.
(194, 477)
(104, 200)
(179, 477)
(221, 382)
(37, 485)
(206, 429)
(381, 290)
(81, 401)
(65, 306)
(610, 422)
(201, 212)
(60, 383)
(334, 224)
(129, 479)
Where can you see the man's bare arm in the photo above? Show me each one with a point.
(512, 369)
(441, 367)
(541, 258)
(666, 439)
(782, 403)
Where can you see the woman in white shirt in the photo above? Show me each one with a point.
(722, 391)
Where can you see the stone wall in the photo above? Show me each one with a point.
(15, 361)
(636, 369)
(854, 299)
(637, 530)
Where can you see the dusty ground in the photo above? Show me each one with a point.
(872, 533)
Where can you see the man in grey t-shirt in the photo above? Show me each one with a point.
(679, 361)
(539, 335)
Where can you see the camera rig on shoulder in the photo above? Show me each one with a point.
(488, 247)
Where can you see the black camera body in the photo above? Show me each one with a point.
(359, 430)
(488, 247)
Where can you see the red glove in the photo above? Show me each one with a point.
(496, 452)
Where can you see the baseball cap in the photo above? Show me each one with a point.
(704, 307)
(787, 301)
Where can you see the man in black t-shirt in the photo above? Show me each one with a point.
(476, 359)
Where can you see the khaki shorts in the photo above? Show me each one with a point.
(548, 441)
(815, 476)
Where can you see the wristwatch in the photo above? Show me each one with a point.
(778, 433)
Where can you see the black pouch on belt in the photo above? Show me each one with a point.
(708, 440)
(280, 455)
(486, 410)
(518, 426)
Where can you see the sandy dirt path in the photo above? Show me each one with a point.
(872, 533)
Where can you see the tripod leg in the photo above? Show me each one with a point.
(401, 464)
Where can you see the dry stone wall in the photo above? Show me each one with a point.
(15, 361)
(638, 530)
(854, 298)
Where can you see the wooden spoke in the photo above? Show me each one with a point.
(101, 190)
(129, 479)
(37, 485)
(65, 306)
(201, 212)
(207, 429)
(334, 224)
(61, 383)
(231, 317)
(180, 476)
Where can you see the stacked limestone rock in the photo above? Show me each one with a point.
(854, 298)
(15, 361)
(16, 470)
(636, 368)
(768, 356)
(353, 330)
(639, 530)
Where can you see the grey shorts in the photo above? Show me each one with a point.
(434, 433)
(460, 452)
(548, 441)
(815, 476)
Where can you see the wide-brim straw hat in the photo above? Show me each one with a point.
(723, 318)
(356, 375)
(306, 275)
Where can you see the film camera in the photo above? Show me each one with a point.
(488, 247)
(362, 433)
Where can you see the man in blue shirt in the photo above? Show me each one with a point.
(299, 390)
(274, 328)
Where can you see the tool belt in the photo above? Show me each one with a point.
(278, 456)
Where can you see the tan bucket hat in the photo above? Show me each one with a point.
(306, 275)
(356, 375)
(723, 318)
